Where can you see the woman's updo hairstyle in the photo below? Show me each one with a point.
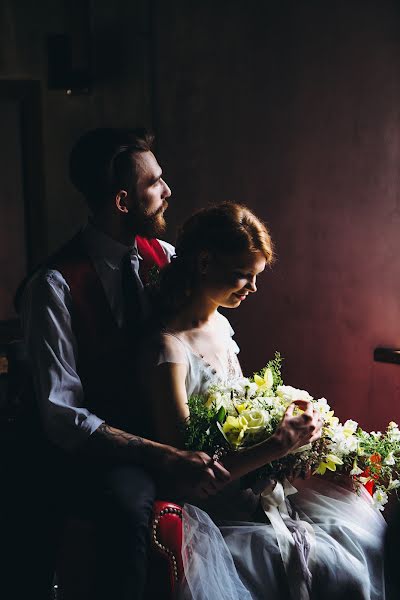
(226, 228)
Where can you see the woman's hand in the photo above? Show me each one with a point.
(292, 433)
(297, 431)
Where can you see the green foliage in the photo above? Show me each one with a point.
(200, 430)
(374, 452)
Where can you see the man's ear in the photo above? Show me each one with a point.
(203, 262)
(121, 201)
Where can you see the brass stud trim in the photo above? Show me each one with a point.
(170, 555)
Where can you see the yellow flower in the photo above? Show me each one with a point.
(241, 407)
(330, 462)
(234, 428)
(230, 423)
(329, 418)
(349, 428)
(320, 470)
(265, 382)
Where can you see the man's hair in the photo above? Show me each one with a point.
(102, 163)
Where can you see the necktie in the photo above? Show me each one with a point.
(131, 292)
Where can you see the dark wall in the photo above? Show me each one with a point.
(293, 109)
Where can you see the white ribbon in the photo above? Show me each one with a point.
(296, 539)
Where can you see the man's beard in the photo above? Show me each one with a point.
(148, 225)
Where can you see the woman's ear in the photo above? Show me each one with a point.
(121, 201)
(203, 262)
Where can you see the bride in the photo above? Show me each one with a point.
(321, 541)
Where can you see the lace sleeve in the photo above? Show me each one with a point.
(172, 350)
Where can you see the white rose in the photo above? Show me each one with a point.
(256, 419)
(290, 393)
(350, 444)
(322, 406)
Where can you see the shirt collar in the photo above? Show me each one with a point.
(102, 247)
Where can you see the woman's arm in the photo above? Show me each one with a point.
(169, 402)
(292, 433)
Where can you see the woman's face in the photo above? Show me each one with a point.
(229, 279)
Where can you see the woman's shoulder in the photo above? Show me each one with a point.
(171, 348)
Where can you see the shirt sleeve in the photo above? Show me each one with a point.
(51, 347)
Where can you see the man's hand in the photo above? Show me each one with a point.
(179, 472)
(191, 474)
(297, 431)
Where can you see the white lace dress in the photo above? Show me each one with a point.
(325, 542)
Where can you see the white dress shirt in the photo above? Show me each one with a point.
(51, 344)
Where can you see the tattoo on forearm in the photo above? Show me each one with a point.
(120, 438)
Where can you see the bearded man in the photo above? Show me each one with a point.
(82, 315)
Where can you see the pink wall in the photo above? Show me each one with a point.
(295, 111)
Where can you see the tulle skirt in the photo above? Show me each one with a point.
(243, 560)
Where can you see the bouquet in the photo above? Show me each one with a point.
(247, 410)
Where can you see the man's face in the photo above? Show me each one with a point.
(147, 207)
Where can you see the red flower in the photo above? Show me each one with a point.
(375, 460)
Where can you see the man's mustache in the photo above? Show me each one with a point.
(160, 210)
(163, 207)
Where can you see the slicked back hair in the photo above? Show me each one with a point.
(102, 163)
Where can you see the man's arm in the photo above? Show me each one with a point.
(112, 442)
(52, 350)
(178, 472)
